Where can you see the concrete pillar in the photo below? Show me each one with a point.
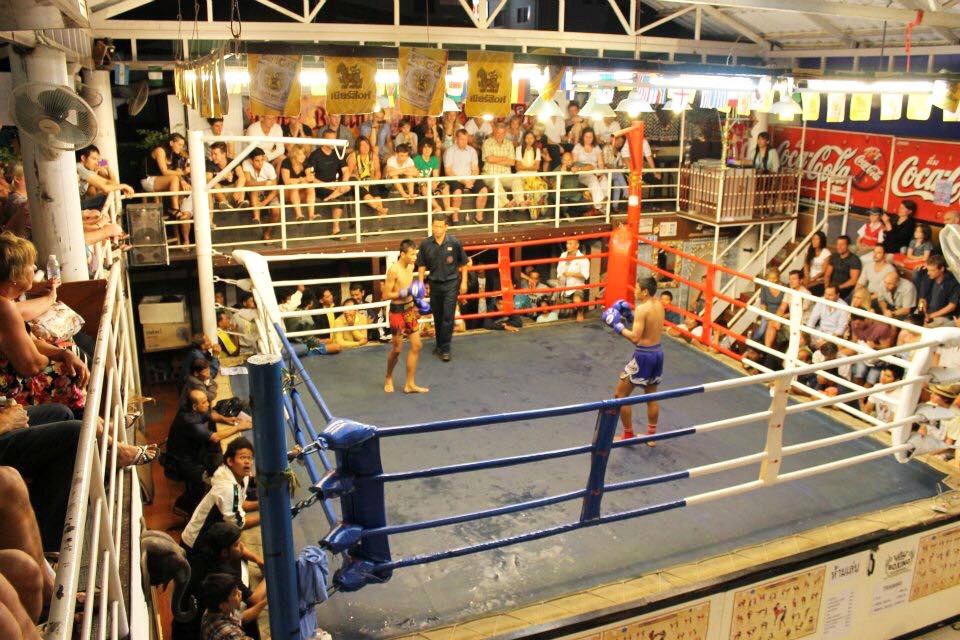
(106, 139)
(51, 176)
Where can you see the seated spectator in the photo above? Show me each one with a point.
(827, 352)
(882, 404)
(313, 344)
(215, 128)
(897, 232)
(15, 214)
(613, 159)
(223, 605)
(943, 396)
(428, 166)
(938, 294)
(226, 501)
(340, 129)
(328, 167)
(515, 130)
(815, 263)
(869, 333)
(225, 331)
(828, 318)
(260, 173)
(948, 357)
(193, 449)
(875, 270)
(898, 297)
(870, 233)
(406, 136)
(573, 270)
(201, 349)
(267, 126)
(400, 165)
(95, 180)
(461, 160)
(921, 245)
(674, 317)
(32, 371)
(368, 168)
(293, 170)
(221, 552)
(161, 173)
(509, 323)
(295, 127)
(777, 332)
(498, 160)
(348, 337)
(587, 157)
(529, 189)
(201, 380)
(478, 129)
(571, 191)
(843, 269)
(770, 300)
(26, 579)
(531, 280)
(233, 178)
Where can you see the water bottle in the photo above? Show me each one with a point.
(53, 268)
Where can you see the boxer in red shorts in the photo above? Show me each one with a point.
(406, 303)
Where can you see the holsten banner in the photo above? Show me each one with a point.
(884, 169)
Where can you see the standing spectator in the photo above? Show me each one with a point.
(949, 217)
(381, 135)
(368, 168)
(573, 270)
(898, 296)
(430, 129)
(613, 159)
(328, 167)
(498, 160)
(875, 271)
(571, 191)
(765, 157)
(529, 189)
(587, 157)
(828, 318)
(399, 166)
(340, 130)
(267, 126)
(921, 246)
(574, 125)
(406, 136)
(870, 234)
(937, 291)
(428, 166)
(461, 160)
(215, 128)
(95, 180)
(815, 263)
(295, 127)
(443, 255)
(478, 129)
(843, 269)
(260, 173)
(294, 170)
(898, 232)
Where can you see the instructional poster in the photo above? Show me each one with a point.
(938, 563)
(690, 623)
(895, 565)
(787, 608)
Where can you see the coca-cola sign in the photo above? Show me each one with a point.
(862, 157)
(918, 167)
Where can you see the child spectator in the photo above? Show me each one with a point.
(870, 234)
(427, 163)
(666, 299)
(921, 245)
(400, 165)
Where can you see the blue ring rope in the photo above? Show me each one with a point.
(302, 410)
(299, 368)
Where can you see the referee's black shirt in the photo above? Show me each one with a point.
(441, 260)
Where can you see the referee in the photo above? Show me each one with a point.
(443, 255)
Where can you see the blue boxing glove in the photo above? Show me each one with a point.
(416, 290)
(611, 318)
(625, 309)
(423, 306)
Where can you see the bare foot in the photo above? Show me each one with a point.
(413, 388)
(388, 385)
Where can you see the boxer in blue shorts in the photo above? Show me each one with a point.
(645, 368)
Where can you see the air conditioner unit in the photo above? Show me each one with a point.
(147, 235)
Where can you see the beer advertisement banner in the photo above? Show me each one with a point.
(351, 84)
(422, 73)
(274, 84)
(919, 168)
(865, 157)
(491, 76)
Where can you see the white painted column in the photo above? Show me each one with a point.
(201, 234)
(106, 139)
(52, 184)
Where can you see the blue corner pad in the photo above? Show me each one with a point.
(334, 484)
(342, 537)
(355, 575)
(341, 433)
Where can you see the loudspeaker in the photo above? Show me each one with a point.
(147, 236)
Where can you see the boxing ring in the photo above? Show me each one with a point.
(495, 505)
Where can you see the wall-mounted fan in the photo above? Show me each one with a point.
(54, 116)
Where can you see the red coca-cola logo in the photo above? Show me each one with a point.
(911, 179)
(869, 169)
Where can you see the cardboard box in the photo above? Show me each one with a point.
(173, 335)
(153, 311)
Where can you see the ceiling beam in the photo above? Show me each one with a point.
(831, 28)
(823, 7)
(339, 33)
(494, 14)
(620, 16)
(104, 11)
(943, 32)
(473, 18)
(663, 20)
(936, 50)
(737, 26)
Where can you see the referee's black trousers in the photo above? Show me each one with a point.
(443, 304)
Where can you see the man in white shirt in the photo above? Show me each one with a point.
(875, 270)
(215, 128)
(261, 173)
(478, 129)
(573, 270)
(827, 318)
(461, 160)
(554, 129)
(647, 155)
(267, 126)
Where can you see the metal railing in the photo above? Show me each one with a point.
(726, 194)
(103, 513)
(103, 254)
